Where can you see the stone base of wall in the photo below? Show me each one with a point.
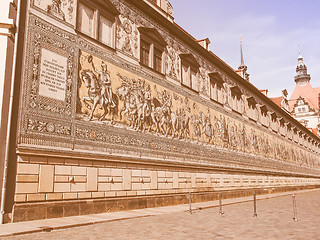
(35, 211)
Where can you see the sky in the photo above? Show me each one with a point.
(273, 33)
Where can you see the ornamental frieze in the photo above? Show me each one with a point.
(51, 127)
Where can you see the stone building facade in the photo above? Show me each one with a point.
(119, 108)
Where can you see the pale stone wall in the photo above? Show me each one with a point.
(55, 179)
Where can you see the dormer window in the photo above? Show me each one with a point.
(189, 71)
(152, 46)
(97, 21)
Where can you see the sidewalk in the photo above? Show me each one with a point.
(12, 229)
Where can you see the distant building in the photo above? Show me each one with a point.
(304, 101)
(303, 104)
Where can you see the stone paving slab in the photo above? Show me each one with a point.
(12, 229)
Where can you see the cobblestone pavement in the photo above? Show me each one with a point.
(274, 221)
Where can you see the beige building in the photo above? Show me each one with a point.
(115, 106)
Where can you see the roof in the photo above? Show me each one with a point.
(314, 131)
(310, 94)
(277, 100)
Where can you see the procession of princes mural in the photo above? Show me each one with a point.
(140, 105)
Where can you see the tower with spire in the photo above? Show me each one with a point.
(242, 69)
(304, 101)
(302, 77)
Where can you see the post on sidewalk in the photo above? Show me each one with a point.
(220, 204)
(295, 217)
(190, 208)
(255, 205)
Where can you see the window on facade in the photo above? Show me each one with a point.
(189, 71)
(252, 109)
(152, 47)
(282, 128)
(274, 122)
(236, 99)
(157, 60)
(145, 52)
(185, 75)
(98, 21)
(264, 115)
(289, 131)
(106, 31)
(194, 80)
(85, 20)
(216, 87)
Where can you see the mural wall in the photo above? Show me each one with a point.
(113, 96)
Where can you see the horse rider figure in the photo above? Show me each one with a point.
(105, 83)
(148, 106)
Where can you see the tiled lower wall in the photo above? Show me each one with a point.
(41, 179)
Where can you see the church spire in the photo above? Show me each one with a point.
(243, 68)
(242, 60)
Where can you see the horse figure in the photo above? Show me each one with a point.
(222, 130)
(207, 128)
(123, 93)
(180, 124)
(149, 117)
(132, 108)
(94, 94)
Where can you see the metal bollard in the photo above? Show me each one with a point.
(255, 205)
(190, 208)
(295, 218)
(220, 204)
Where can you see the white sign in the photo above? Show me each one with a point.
(53, 75)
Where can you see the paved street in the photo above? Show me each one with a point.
(274, 221)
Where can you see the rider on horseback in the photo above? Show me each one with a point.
(105, 83)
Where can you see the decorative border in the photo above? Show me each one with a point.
(39, 38)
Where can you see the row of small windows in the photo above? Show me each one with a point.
(301, 109)
(98, 21)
